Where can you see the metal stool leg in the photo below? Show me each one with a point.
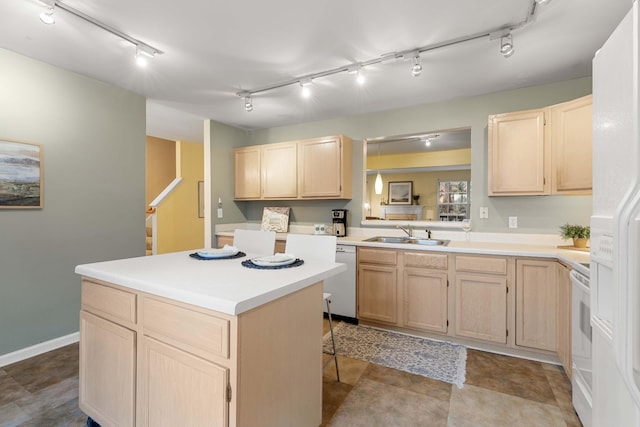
(333, 341)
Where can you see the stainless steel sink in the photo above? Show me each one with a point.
(381, 239)
(408, 240)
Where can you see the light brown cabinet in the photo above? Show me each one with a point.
(377, 285)
(425, 291)
(152, 361)
(481, 287)
(571, 138)
(319, 168)
(564, 318)
(279, 171)
(540, 152)
(325, 168)
(248, 173)
(107, 371)
(536, 304)
(517, 154)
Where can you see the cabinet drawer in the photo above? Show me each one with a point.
(199, 333)
(377, 256)
(114, 304)
(478, 264)
(421, 259)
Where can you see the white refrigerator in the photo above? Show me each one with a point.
(615, 228)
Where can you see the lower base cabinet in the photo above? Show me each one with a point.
(536, 304)
(107, 371)
(481, 307)
(167, 375)
(425, 299)
(150, 361)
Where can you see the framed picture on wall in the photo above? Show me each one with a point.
(400, 192)
(20, 175)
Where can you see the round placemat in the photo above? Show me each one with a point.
(247, 263)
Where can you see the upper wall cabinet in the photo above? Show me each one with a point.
(324, 168)
(318, 168)
(539, 152)
(247, 180)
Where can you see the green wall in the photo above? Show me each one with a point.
(93, 136)
(536, 214)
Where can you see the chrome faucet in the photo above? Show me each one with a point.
(408, 229)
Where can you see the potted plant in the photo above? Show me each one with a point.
(579, 233)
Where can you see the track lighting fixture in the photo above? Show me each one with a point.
(47, 16)
(415, 55)
(506, 45)
(416, 69)
(143, 50)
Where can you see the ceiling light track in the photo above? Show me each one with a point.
(407, 55)
(141, 46)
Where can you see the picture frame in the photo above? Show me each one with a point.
(400, 192)
(21, 177)
(275, 219)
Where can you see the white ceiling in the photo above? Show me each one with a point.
(214, 49)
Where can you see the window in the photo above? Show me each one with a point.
(454, 200)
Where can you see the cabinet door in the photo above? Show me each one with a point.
(377, 293)
(571, 128)
(517, 154)
(481, 307)
(536, 304)
(279, 171)
(247, 173)
(564, 318)
(321, 168)
(107, 371)
(179, 389)
(425, 299)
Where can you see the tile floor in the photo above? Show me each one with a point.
(499, 391)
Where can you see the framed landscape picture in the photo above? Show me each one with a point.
(20, 175)
(400, 192)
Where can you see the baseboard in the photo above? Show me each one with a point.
(34, 350)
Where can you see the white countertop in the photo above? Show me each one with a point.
(222, 285)
(540, 248)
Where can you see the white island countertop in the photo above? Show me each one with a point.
(222, 285)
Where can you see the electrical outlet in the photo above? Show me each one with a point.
(484, 212)
(513, 222)
(219, 212)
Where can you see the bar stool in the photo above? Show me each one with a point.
(317, 247)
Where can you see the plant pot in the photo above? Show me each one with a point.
(580, 243)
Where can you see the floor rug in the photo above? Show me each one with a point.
(439, 360)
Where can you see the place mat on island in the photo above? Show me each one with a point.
(201, 258)
(247, 263)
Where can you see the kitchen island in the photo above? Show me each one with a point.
(169, 340)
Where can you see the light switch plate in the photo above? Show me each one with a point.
(484, 212)
(513, 222)
(219, 212)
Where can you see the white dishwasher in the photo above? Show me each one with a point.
(342, 287)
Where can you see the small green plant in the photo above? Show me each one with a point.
(570, 231)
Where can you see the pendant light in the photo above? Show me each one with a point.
(378, 183)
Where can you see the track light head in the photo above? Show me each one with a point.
(306, 89)
(248, 103)
(416, 69)
(142, 55)
(47, 16)
(360, 76)
(506, 45)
